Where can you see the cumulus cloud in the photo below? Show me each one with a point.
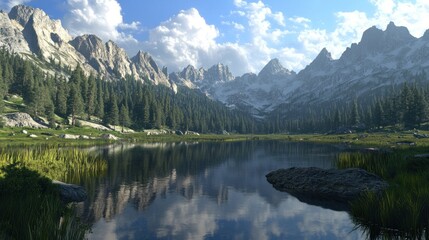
(7, 5)
(187, 39)
(101, 17)
(131, 26)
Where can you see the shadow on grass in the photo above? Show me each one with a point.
(30, 208)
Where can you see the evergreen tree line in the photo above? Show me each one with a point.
(406, 108)
(125, 102)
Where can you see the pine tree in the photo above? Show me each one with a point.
(112, 112)
(99, 110)
(407, 103)
(355, 119)
(74, 103)
(124, 117)
(61, 99)
(420, 107)
(36, 100)
(91, 96)
(378, 114)
(50, 114)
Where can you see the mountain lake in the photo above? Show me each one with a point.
(208, 191)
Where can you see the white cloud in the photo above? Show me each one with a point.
(7, 5)
(240, 3)
(235, 25)
(187, 39)
(130, 26)
(101, 17)
(300, 20)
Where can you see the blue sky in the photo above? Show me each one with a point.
(244, 34)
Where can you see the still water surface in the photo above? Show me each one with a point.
(208, 191)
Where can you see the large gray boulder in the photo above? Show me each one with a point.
(70, 192)
(327, 184)
(20, 119)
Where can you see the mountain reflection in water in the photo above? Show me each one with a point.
(208, 191)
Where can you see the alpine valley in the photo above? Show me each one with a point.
(354, 90)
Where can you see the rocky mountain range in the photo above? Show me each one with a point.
(382, 59)
(31, 33)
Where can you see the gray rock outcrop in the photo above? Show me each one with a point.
(332, 184)
(70, 192)
(20, 119)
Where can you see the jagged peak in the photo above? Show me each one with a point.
(399, 32)
(219, 67)
(21, 14)
(391, 26)
(189, 68)
(322, 60)
(87, 39)
(142, 56)
(144, 59)
(324, 54)
(392, 33)
(111, 43)
(90, 37)
(371, 34)
(191, 73)
(273, 67)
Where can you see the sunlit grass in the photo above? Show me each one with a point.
(55, 163)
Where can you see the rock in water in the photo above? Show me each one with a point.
(70, 192)
(332, 184)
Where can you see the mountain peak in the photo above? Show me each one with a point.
(219, 72)
(21, 14)
(391, 26)
(376, 41)
(324, 55)
(399, 33)
(273, 68)
(322, 60)
(192, 74)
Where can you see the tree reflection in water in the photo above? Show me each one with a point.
(208, 190)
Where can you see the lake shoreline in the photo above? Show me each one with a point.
(86, 136)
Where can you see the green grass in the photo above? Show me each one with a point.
(402, 211)
(64, 164)
(30, 208)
